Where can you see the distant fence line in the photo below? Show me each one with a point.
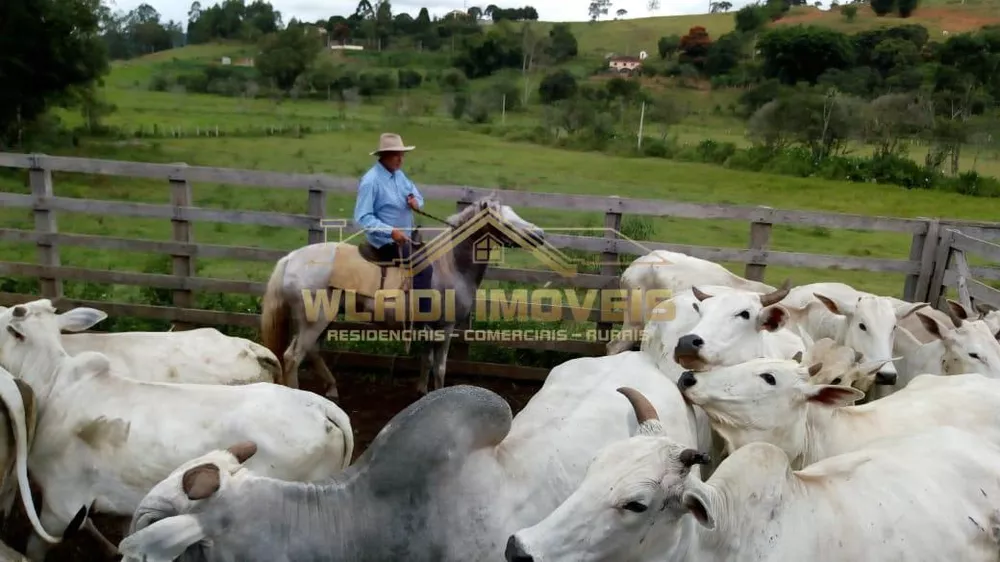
(936, 261)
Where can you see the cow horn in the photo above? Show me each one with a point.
(776, 296)
(699, 294)
(797, 357)
(201, 481)
(644, 411)
(691, 457)
(815, 369)
(243, 450)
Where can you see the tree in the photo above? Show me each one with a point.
(906, 7)
(559, 85)
(287, 54)
(652, 6)
(891, 118)
(598, 8)
(562, 43)
(724, 54)
(668, 45)
(694, 46)
(882, 7)
(849, 11)
(750, 18)
(52, 53)
(622, 12)
(803, 53)
(475, 13)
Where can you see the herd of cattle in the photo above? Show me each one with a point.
(815, 422)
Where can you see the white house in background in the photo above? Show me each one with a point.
(624, 64)
(347, 47)
(226, 61)
(643, 55)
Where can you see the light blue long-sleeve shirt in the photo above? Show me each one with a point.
(381, 204)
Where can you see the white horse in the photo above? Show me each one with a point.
(308, 270)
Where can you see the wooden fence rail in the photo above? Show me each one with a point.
(936, 243)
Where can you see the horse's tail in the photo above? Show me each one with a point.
(274, 317)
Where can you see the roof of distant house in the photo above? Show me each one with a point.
(625, 58)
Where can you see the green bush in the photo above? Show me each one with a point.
(409, 79)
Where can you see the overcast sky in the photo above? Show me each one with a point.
(548, 10)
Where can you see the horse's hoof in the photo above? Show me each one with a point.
(333, 395)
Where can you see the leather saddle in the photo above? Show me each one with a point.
(370, 253)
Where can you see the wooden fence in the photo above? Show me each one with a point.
(936, 259)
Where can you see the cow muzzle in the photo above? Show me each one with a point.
(686, 381)
(515, 551)
(885, 378)
(687, 352)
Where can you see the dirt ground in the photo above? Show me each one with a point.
(369, 401)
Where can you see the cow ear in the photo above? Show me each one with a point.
(80, 319)
(829, 304)
(773, 318)
(699, 504)
(931, 325)
(164, 540)
(797, 357)
(834, 395)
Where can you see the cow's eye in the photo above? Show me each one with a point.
(635, 506)
(863, 327)
(744, 315)
(768, 378)
(835, 381)
(974, 356)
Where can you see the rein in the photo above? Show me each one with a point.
(430, 216)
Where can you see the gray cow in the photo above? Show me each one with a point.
(413, 495)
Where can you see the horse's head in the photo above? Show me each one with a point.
(506, 226)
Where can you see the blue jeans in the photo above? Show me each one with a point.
(421, 280)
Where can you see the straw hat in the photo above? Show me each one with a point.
(391, 142)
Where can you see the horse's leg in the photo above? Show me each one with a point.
(425, 376)
(440, 358)
(290, 372)
(304, 345)
(324, 371)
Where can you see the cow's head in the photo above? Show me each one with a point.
(762, 400)
(631, 486)
(870, 324)
(167, 521)
(730, 327)
(971, 347)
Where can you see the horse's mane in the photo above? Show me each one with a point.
(446, 262)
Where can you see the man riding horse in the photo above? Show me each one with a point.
(384, 209)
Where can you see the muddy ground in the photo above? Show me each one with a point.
(370, 401)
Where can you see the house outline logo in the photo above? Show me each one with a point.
(439, 246)
(488, 250)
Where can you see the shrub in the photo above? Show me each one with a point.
(409, 79)
(454, 80)
(849, 11)
(559, 85)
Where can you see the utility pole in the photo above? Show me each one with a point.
(642, 117)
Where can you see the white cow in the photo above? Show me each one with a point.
(968, 348)
(992, 317)
(772, 401)
(107, 439)
(447, 480)
(860, 321)
(839, 365)
(199, 356)
(735, 326)
(676, 272)
(927, 496)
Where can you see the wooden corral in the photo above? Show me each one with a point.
(936, 261)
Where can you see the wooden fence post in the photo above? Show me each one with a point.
(942, 258)
(923, 248)
(183, 231)
(316, 207)
(760, 239)
(609, 257)
(45, 223)
(962, 268)
(459, 349)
